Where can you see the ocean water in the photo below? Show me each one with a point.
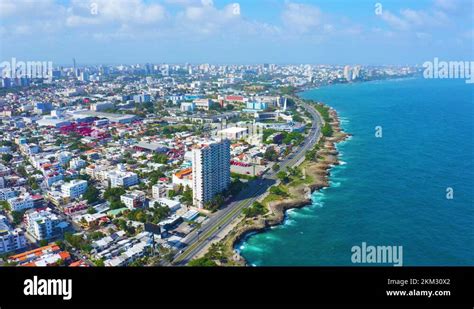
(391, 190)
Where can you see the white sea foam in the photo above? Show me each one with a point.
(289, 222)
(344, 120)
(302, 215)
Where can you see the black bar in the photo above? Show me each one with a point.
(252, 285)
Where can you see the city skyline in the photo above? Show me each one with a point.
(236, 32)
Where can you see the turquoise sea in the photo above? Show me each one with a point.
(389, 190)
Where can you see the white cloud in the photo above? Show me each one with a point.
(301, 17)
(394, 21)
(17, 8)
(120, 11)
(206, 19)
(409, 19)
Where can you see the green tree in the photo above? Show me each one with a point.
(91, 194)
(99, 263)
(5, 206)
(172, 194)
(116, 204)
(160, 158)
(7, 157)
(22, 171)
(17, 217)
(159, 213)
(326, 130)
(271, 154)
(32, 183)
(215, 203)
(113, 194)
(202, 262)
(187, 197)
(283, 177)
(255, 210)
(277, 191)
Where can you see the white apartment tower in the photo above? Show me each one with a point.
(211, 171)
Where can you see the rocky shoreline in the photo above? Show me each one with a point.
(300, 195)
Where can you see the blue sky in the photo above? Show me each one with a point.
(233, 31)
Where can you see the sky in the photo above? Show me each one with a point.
(379, 32)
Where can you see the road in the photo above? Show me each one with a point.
(197, 240)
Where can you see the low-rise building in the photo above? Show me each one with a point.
(74, 188)
(43, 224)
(160, 190)
(133, 199)
(7, 193)
(187, 106)
(183, 177)
(234, 133)
(77, 163)
(171, 204)
(20, 203)
(44, 256)
(122, 178)
(10, 239)
(204, 104)
(101, 106)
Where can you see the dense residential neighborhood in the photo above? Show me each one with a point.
(119, 165)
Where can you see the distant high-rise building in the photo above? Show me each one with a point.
(84, 76)
(347, 73)
(351, 73)
(211, 171)
(355, 72)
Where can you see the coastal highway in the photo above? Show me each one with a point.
(197, 240)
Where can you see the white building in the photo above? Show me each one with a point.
(160, 190)
(101, 106)
(20, 203)
(43, 224)
(52, 177)
(4, 170)
(133, 199)
(203, 104)
(122, 178)
(74, 188)
(10, 239)
(234, 133)
(51, 121)
(77, 163)
(187, 107)
(7, 193)
(211, 171)
(183, 178)
(64, 157)
(171, 204)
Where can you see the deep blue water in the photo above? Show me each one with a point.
(389, 190)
